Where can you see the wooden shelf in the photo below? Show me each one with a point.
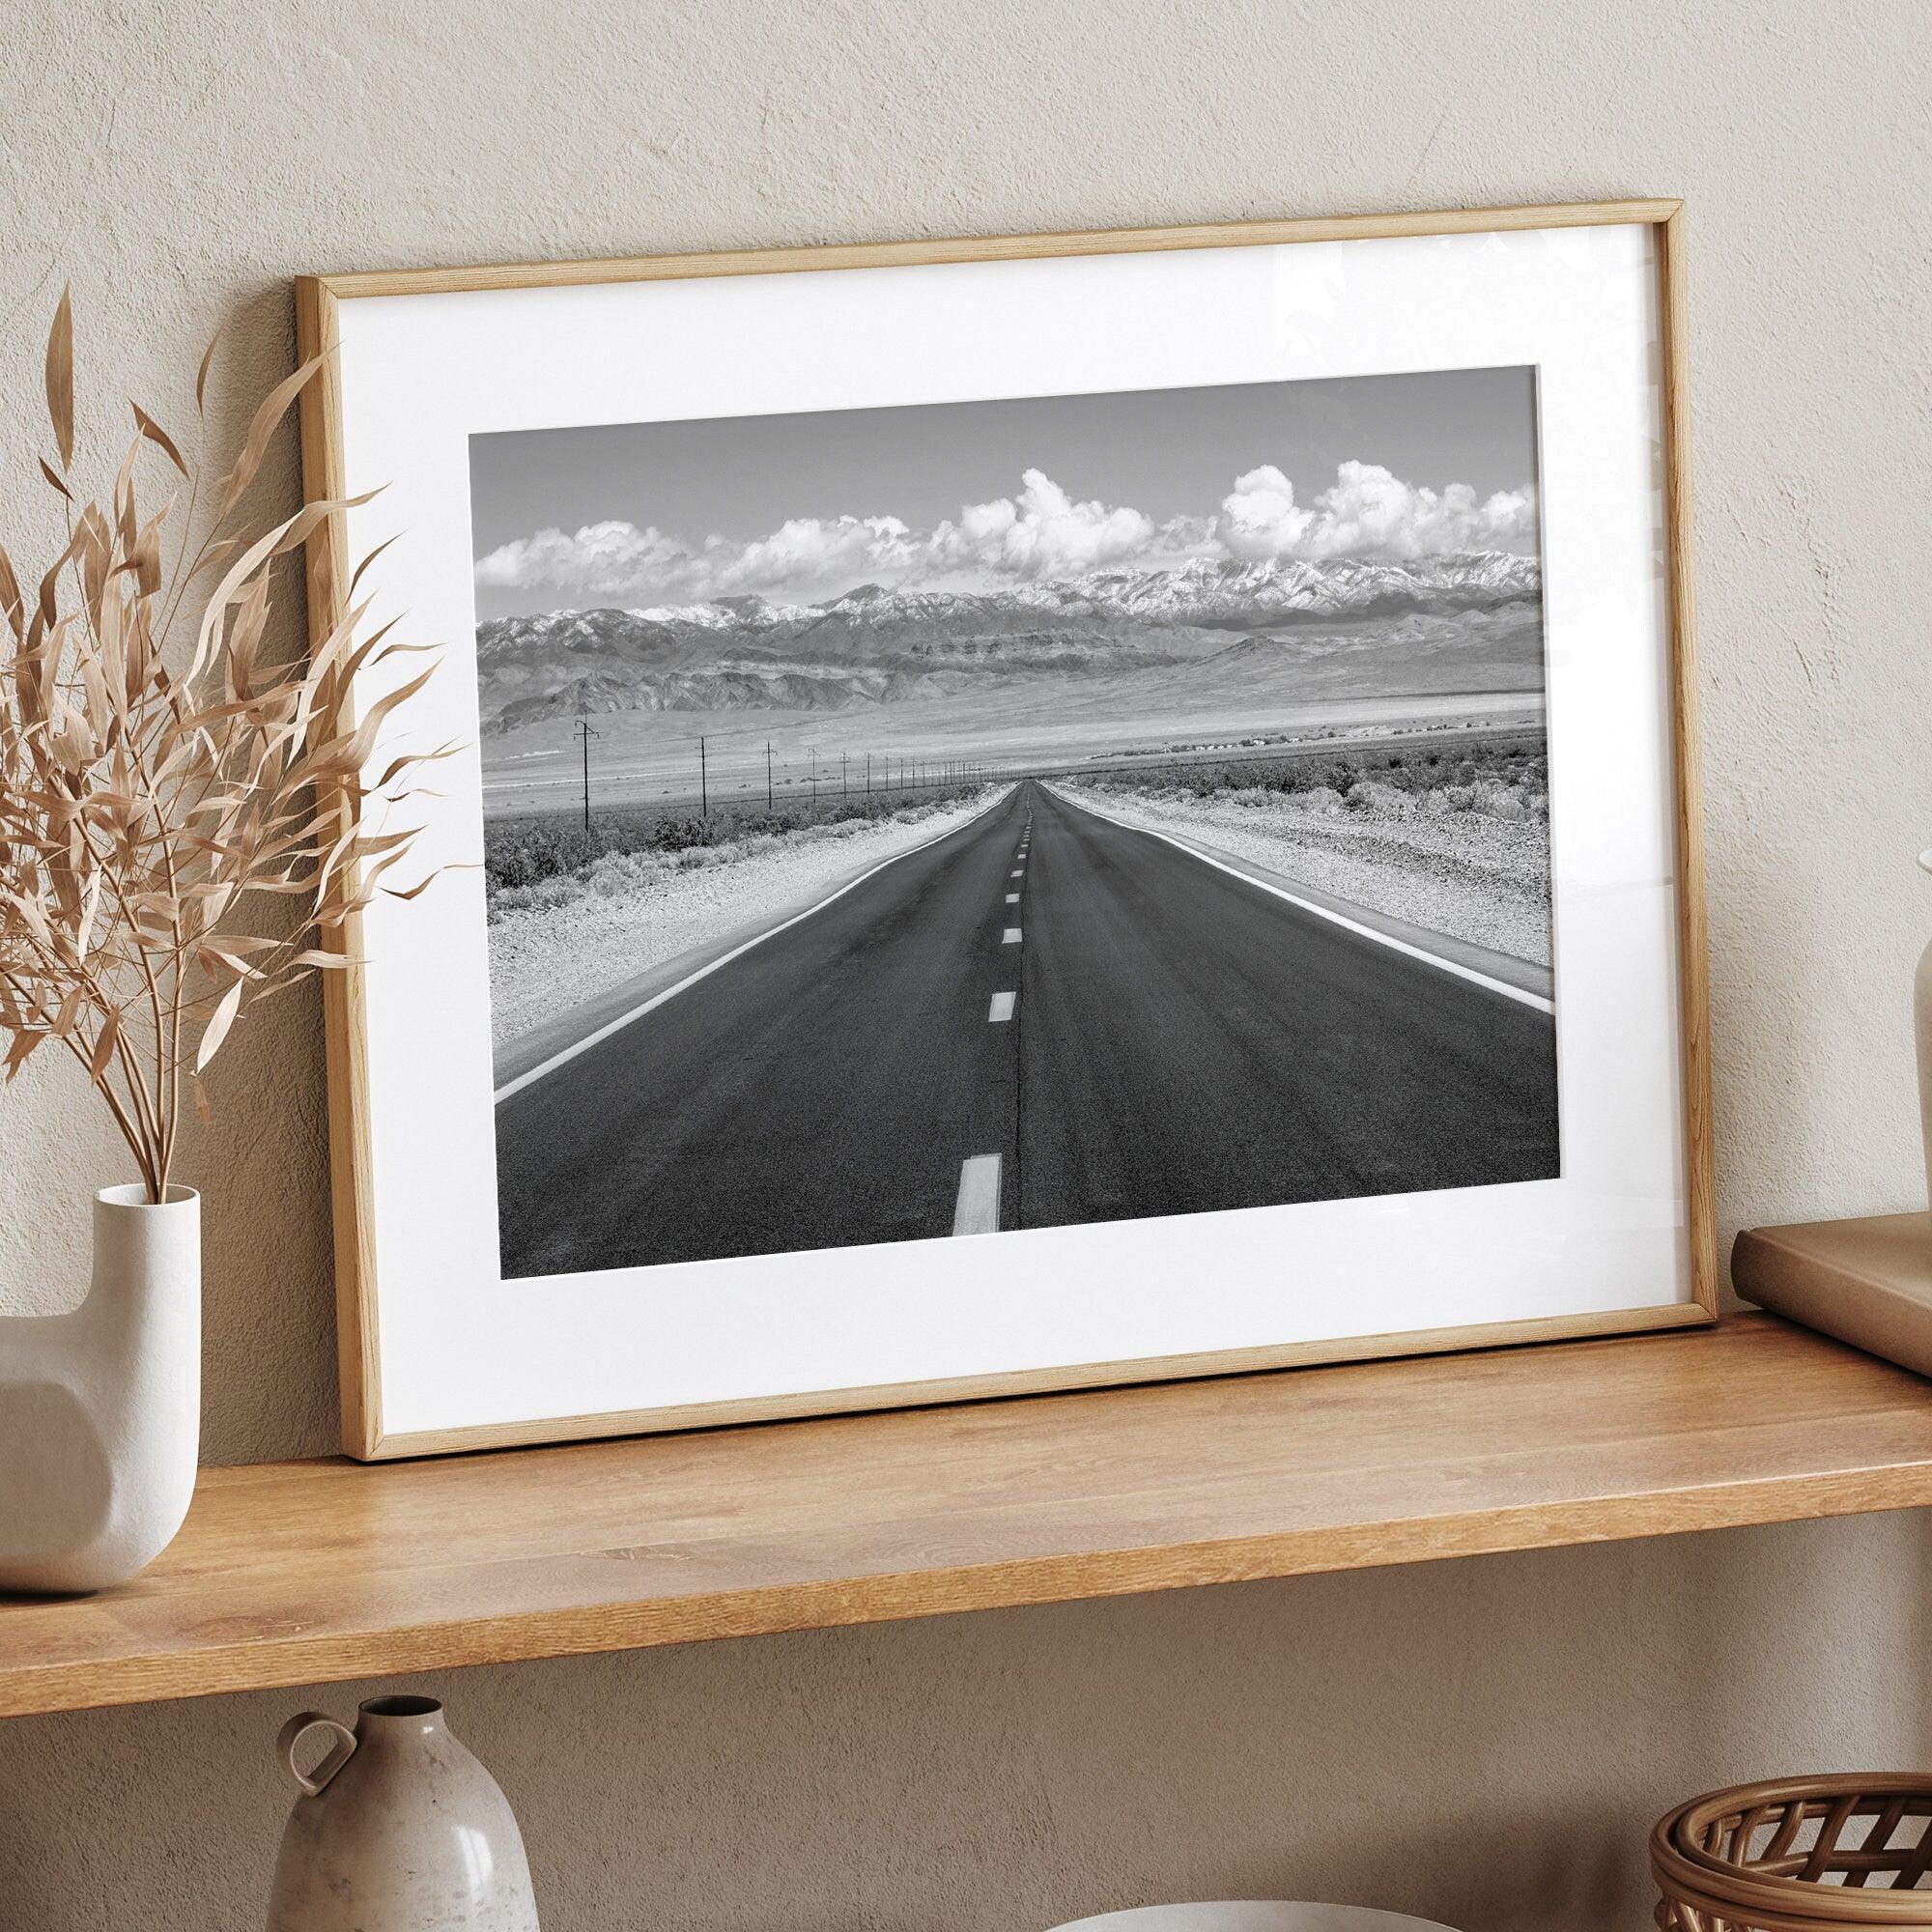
(293, 1573)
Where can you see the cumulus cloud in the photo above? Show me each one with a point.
(1040, 532)
(1368, 511)
(620, 563)
(1259, 517)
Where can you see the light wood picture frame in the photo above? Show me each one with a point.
(383, 334)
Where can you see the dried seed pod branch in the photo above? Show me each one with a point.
(147, 817)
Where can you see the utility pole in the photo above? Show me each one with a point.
(814, 778)
(584, 732)
(703, 782)
(768, 775)
(845, 779)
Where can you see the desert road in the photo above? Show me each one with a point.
(1042, 1017)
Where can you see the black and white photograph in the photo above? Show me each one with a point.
(975, 817)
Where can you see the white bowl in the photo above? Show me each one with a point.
(1252, 1915)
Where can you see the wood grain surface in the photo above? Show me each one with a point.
(921, 252)
(296, 1573)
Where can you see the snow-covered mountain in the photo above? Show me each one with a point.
(1224, 591)
(876, 645)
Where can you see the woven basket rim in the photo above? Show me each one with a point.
(1676, 1826)
(1689, 1875)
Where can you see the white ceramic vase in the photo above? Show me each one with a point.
(398, 1829)
(101, 1408)
(1921, 1026)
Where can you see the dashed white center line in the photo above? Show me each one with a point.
(978, 1208)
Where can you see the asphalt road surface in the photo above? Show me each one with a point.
(1041, 1018)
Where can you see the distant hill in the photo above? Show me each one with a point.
(880, 646)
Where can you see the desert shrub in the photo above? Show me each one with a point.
(1366, 795)
(521, 856)
(535, 852)
(1507, 778)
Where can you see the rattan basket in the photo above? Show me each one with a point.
(1799, 1855)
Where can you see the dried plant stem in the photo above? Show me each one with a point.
(146, 813)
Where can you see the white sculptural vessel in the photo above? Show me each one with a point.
(101, 1408)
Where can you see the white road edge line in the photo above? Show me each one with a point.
(690, 980)
(1001, 1008)
(1520, 994)
(976, 1212)
(1012, 936)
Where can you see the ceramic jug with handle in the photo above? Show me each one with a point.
(398, 1829)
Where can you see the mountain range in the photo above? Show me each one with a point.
(876, 645)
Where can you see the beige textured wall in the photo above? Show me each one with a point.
(1479, 1742)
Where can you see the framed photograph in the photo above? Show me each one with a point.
(1026, 814)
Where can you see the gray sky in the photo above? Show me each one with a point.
(1118, 480)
